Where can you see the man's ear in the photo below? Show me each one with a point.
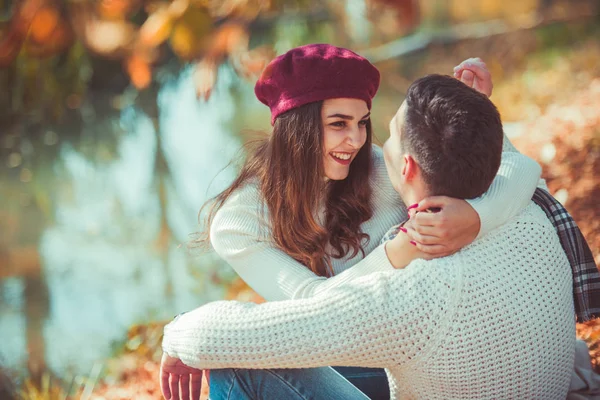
(410, 168)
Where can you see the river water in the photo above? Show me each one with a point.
(92, 233)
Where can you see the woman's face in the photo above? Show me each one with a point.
(345, 132)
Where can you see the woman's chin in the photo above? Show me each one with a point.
(337, 175)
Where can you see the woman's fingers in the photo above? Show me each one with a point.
(432, 202)
(174, 386)
(474, 73)
(468, 78)
(417, 234)
(184, 387)
(196, 382)
(434, 250)
(164, 384)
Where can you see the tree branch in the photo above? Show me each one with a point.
(423, 39)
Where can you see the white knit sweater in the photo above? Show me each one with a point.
(493, 321)
(240, 232)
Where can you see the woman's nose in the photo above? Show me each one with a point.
(355, 136)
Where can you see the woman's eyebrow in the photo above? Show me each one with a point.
(348, 117)
(342, 116)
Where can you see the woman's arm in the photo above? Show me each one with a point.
(368, 323)
(239, 235)
(509, 193)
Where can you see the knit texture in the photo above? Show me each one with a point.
(495, 320)
(240, 232)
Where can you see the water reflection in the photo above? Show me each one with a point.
(110, 256)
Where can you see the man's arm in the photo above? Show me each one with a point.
(369, 323)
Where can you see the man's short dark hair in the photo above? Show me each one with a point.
(455, 135)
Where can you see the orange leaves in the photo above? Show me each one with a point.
(116, 9)
(10, 45)
(44, 23)
(209, 31)
(139, 71)
(39, 26)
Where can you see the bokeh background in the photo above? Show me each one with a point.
(118, 120)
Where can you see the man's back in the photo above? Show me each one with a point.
(508, 325)
(494, 321)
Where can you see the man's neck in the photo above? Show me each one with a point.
(413, 196)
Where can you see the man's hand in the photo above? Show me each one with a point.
(178, 381)
(474, 73)
(446, 231)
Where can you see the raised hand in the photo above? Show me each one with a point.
(474, 73)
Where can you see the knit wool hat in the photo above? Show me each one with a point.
(315, 72)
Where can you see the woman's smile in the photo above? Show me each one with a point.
(344, 158)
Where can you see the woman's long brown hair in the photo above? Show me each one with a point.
(288, 167)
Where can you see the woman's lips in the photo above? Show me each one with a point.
(341, 161)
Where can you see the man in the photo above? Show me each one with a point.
(495, 320)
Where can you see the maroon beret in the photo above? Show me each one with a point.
(315, 72)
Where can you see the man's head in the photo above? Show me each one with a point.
(445, 139)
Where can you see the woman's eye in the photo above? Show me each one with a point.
(363, 122)
(338, 124)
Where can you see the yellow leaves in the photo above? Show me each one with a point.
(461, 11)
(156, 29)
(191, 33)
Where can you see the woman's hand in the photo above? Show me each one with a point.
(401, 250)
(178, 381)
(443, 232)
(474, 73)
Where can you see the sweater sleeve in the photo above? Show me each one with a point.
(510, 192)
(238, 236)
(370, 322)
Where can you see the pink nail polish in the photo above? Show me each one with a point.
(413, 242)
(403, 229)
(413, 206)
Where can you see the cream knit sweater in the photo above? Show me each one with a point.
(240, 232)
(493, 321)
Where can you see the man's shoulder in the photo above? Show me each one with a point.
(532, 216)
(529, 232)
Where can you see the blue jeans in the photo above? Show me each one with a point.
(344, 383)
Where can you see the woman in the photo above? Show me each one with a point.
(314, 198)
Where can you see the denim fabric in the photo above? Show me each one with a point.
(371, 381)
(278, 384)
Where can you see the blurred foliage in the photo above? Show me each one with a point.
(51, 51)
(48, 48)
